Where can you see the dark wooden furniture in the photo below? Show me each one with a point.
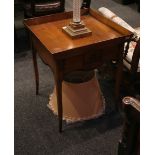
(86, 3)
(64, 55)
(134, 63)
(35, 8)
(131, 74)
(126, 2)
(130, 142)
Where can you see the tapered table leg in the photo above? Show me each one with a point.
(118, 80)
(35, 69)
(58, 82)
(119, 73)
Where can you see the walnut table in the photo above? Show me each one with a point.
(64, 55)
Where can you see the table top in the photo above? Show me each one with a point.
(49, 31)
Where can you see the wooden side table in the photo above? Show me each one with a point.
(64, 55)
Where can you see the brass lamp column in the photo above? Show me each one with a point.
(76, 27)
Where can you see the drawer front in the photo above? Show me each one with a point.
(91, 59)
(97, 57)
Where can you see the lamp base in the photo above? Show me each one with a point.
(76, 30)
